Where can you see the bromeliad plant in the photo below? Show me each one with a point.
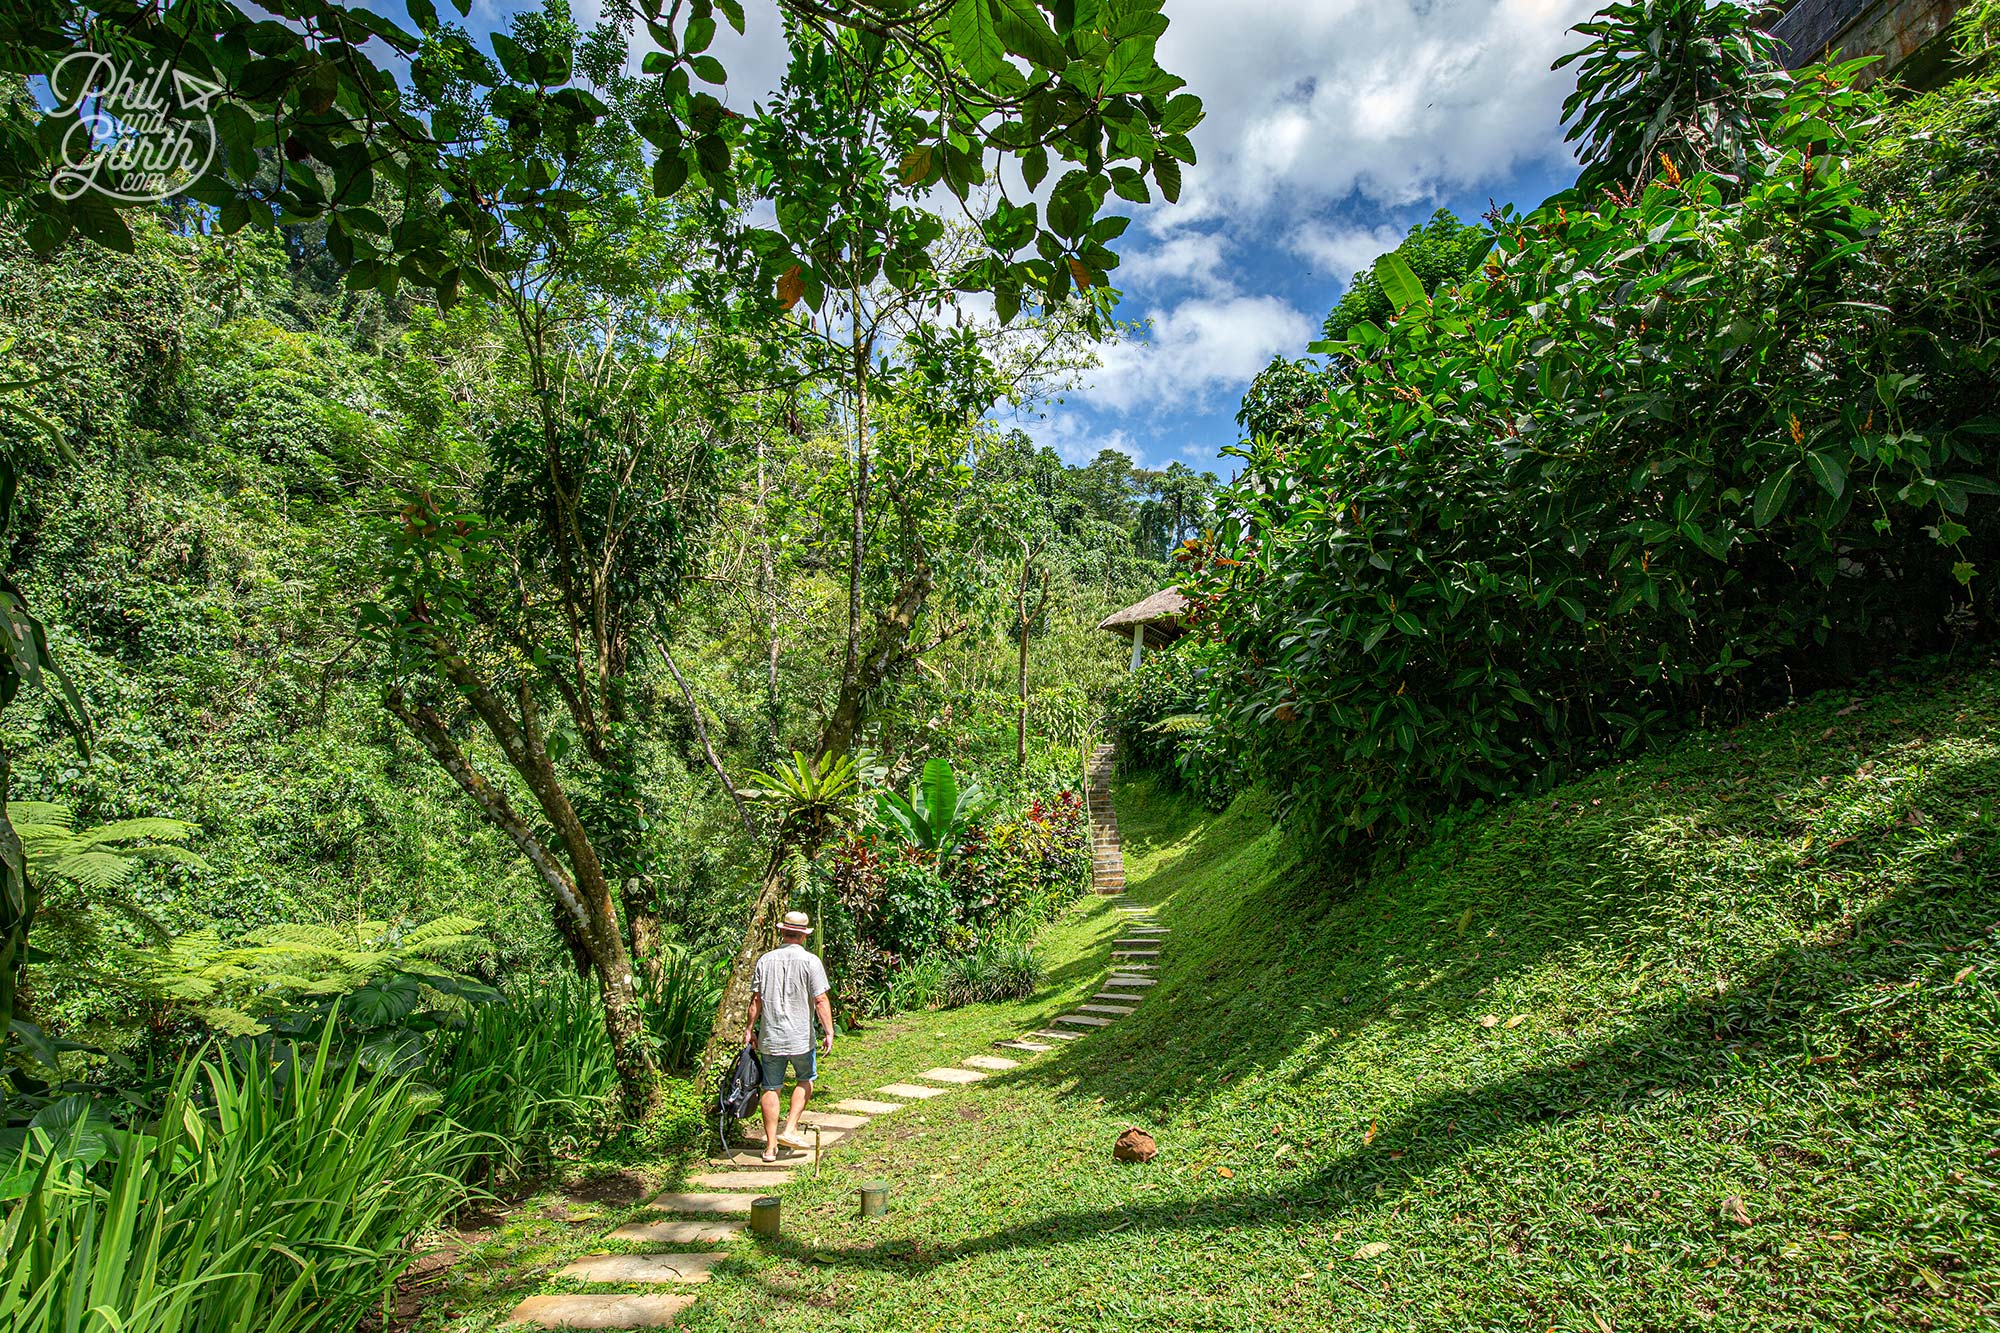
(936, 814)
(810, 794)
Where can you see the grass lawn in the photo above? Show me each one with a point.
(1709, 1039)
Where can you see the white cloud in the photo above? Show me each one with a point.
(1190, 257)
(1196, 350)
(1341, 252)
(1311, 102)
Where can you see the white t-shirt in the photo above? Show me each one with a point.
(788, 980)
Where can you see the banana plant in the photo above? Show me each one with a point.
(937, 812)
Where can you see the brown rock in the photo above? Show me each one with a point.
(1135, 1145)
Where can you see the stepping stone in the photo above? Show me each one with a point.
(599, 1311)
(866, 1107)
(1124, 945)
(642, 1268)
(952, 1075)
(795, 1156)
(1118, 1009)
(702, 1204)
(829, 1120)
(1119, 979)
(1085, 1021)
(1123, 968)
(1059, 1036)
(754, 1158)
(679, 1233)
(1025, 1045)
(1120, 996)
(916, 1090)
(1135, 953)
(740, 1180)
(990, 1062)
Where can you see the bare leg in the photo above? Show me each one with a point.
(768, 1104)
(800, 1092)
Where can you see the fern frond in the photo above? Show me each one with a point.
(91, 870)
(127, 830)
(47, 813)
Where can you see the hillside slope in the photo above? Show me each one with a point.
(1708, 1039)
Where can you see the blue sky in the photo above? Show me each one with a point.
(1333, 126)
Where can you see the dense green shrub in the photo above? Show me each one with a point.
(1675, 454)
(897, 920)
(1159, 715)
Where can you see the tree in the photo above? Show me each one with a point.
(1075, 79)
(1688, 80)
(1439, 251)
(532, 590)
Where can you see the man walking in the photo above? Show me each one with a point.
(789, 988)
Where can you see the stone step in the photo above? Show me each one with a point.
(1084, 1021)
(1117, 1009)
(701, 1205)
(822, 1137)
(1118, 979)
(1059, 1036)
(1022, 1044)
(1118, 996)
(1135, 953)
(910, 1090)
(990, 1062)
(943, 1075)
(679, 1233)
(621, 1311)
(740, 1180)
(644, 1269)
(831, 1120)
(866, 1107)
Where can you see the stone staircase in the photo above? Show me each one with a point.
(1107, 855)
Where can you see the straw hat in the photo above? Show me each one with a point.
(796, 923)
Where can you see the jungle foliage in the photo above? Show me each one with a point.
(1680, 450)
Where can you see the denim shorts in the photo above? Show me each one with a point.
(772, 1069)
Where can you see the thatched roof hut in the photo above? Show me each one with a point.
(1153, 623)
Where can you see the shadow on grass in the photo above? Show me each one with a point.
(1692, 1045)
(1265, 956)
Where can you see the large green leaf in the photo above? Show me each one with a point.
(1399, 284)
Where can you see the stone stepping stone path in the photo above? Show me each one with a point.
(865, 1107)
(644, 1269)
(679, 1232)
(916, 1090)
(714, 1206)
(741, 1180)
(600, 1311)
(702, 1205)
(952, 1075)
(832, 1120)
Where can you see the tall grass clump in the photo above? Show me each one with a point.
(268, 1196)
(1003, 966)
(680, 1004)
(526, 1080)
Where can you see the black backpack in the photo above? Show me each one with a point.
(736, 1096)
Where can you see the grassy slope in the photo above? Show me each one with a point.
(1763, 967)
